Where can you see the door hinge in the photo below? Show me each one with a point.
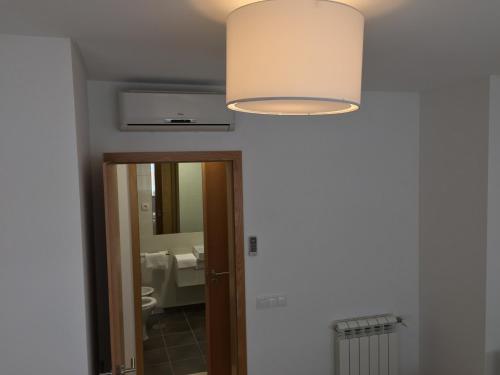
(123, 370)
(132, 368)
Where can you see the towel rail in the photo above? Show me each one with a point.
(166, 253)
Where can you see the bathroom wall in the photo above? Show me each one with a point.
(334, 202)
(493, 252)
(145, 204)
(44, 319)
(453, 205)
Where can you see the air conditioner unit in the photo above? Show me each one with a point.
(172, 111)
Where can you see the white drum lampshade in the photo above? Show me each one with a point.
(294, 57)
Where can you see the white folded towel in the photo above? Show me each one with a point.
(185, 261)
(156, 260)
(199, 252)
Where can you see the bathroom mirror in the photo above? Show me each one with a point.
(176, 197)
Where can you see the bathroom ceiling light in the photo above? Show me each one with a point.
(294, 57)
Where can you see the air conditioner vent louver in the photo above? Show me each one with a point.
(180, 121)
(169, 111)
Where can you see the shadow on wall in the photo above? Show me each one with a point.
(493, 363)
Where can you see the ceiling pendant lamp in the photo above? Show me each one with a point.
(294, 57)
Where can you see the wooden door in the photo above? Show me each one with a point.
(225, 291)
(217, 229)
(114, 267)
(125, 333)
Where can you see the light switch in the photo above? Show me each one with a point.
(252, 245)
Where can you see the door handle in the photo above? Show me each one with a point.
(215, 275)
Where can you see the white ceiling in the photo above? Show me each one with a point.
(413, 45)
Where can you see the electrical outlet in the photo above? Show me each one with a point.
(273, 302)
(282, 301)
(262, 303)
(269, 302)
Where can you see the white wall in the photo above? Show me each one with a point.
(334, 203)
(453, 196)
(43, 319)
(85, 175)
(493, 253)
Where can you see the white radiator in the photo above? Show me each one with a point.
(367, 346)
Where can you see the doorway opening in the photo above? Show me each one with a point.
(174, 233)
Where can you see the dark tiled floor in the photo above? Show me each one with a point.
(176, 344)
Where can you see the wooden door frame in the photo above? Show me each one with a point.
(110, 180)
(110, 160)
(136, 264)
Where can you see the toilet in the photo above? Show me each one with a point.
(146, 291)
(148, 304)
